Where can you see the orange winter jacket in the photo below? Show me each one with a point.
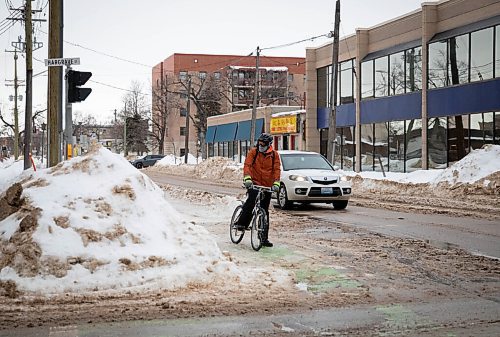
(261, 168)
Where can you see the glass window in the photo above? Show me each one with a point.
(496, 127)
(397, 74)
(183, 112)
(348, 148)
(322, 80)
(346, 81)
(497, 51)
(381, 77)
(458, 138)
(481, 129)
(481, 59)
(396, 146)
(290, 77)
(413, 145)
(183, 152)
(183, 94)
(202, 75)
(381, 146)
(436, 143)
(367, 79)
(413, 58)
(458, 59)
(217, 75)
(182, 75)
(367, 138)
(437, 65)
(182, 131)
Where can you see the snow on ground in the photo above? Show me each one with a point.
(173, 160)
(100, 224)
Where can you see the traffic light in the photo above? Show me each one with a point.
(75, 80)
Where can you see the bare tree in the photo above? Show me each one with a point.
(136, 116)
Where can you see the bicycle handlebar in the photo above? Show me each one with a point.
(259, 188)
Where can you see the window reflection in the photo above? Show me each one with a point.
(381, 77)
(397, 146)
(347, 148)
(367, 79)
(413, 145)
(458, 138)
(458, 59)
(367, 138)
(381, 146)
(481, 129)
(481, 63)
(436, 142)
(497, 51)
(496, 123)
(413, 58)
(437, 65)
(346, 82)
(397, 74)
(322, 80)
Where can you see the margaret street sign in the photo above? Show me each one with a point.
(62, 62)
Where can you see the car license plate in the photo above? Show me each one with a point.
(326, 190)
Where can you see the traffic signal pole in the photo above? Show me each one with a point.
(68, 121)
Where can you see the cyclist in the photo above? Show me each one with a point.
(262, 167)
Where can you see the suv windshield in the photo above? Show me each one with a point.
(304, 161)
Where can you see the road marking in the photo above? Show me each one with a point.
(63, 331)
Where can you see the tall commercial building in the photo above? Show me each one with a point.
(419, 91)
(222, 84)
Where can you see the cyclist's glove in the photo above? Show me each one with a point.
(247, 181)
(276, 186)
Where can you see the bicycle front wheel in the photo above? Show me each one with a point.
(258, 224)
(236, 234)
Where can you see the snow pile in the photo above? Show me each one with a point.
(173, 160)
(96, 223)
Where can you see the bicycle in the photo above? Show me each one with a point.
(259, 222)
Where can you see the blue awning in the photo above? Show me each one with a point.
(244, 129)
(210, 134)
(225, 132)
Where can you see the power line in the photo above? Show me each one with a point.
(296, 42)
(118, 88)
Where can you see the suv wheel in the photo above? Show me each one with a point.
(283, 198)
(138, 165)
(340, 204)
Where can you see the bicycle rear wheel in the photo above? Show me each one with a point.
(236, 234)
(258, 224)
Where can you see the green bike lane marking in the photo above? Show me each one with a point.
(318, 277)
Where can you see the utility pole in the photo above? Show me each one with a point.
(16, 111)
(68, 120)
(115, 131)
(332, 128)
(125, 150)
(255, 98)
(54, 104)
(186, 133)
(29, 84)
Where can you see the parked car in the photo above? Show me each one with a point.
(146, 161)
(308, 177)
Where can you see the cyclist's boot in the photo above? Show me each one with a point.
(267, 243)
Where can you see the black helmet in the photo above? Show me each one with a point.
(266, 138)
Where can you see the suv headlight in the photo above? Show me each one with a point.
(295, 177)
(343, 178)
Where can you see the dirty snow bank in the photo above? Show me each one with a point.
(97, 223)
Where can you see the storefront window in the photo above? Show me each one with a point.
(346, 82)
(322, 87)
(381, 77)
(437, 65)
(458, 138)
(397, 74)
(413, 145)
(413, 58)
(458, 59)
(497, 51)
(367, 80)
(367, 138)
(436, 142)
(481, 65)
(381, 146)
(481, 129)
(496, 123)
(397, 146)
(348, 148)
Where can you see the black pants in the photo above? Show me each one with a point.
(246, 213)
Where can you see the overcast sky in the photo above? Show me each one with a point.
(148, 31)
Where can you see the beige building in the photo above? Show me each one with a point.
(418, 91)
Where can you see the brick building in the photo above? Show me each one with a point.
(281, 83)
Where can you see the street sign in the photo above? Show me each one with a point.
(62, 62)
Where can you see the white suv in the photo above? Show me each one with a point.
(307, 177)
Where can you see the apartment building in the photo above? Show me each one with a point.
(228, 78)
(416, 92)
